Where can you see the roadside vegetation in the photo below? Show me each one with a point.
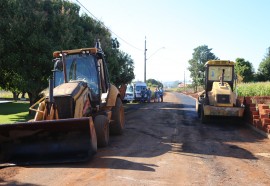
(5, 95)
(243, 89)
(254, 89)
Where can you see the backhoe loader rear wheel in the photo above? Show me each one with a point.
(102, 130)
(118, 118)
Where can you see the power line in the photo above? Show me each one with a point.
(107, 27)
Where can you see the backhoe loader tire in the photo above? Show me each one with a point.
(102, 130)
(93, 137)
(118, 118)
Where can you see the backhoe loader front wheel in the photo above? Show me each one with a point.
(93, 136)
(102, 130)
(118, 118)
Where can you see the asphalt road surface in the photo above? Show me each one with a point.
(163, 144)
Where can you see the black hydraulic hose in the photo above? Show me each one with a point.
(51, 90)
(64, 67)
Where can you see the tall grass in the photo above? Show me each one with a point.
(254, 89)
(5, 94)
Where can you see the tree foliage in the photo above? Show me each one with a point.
(154, 83)
(32, 29)
(200, 56)
(121, 68)
(244, 70)
(263, 73)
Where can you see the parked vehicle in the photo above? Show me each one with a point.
(78, 115)
(138, 87)
(129, 96)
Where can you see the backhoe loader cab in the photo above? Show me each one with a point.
(86, 66)
(218, 98)
(79, 113)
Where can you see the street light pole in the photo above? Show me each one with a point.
(145, 49)
(145, 59)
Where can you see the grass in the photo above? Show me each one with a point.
(254, 89)
(14, 112)
(243, 89)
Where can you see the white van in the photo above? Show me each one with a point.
(138, 87)
(129, 95)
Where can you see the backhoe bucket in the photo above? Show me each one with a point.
(41, 142)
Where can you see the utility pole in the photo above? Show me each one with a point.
(145, 49)
(145, 59)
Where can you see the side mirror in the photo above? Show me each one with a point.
(235, 77)
(201, 74)
(58, 64)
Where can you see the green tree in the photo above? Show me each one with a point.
(32, 29)
(121, 68)
(263, 73)
(154, 83)
(200, 56)
(244, 70)
(35, 29)
(23, 52)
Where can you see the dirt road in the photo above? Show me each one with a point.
(163, 144)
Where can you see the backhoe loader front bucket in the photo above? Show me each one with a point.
(42, 142)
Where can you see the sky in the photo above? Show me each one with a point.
(172, 30)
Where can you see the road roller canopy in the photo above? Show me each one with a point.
(220, 63)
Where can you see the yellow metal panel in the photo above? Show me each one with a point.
(68, 89)
(217, 89)
(112, 95)
(40, 111)
(80, 102)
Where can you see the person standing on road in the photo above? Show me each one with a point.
(161, 94)
(156, 95)
(143, 95)
(149, 93)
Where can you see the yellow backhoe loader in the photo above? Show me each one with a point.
(219, 99)
(77, 115)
